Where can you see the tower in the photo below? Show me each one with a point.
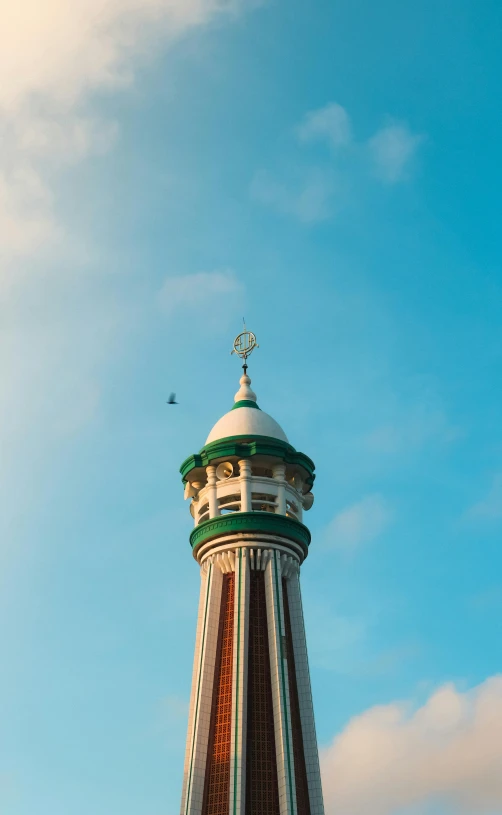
(251, 744)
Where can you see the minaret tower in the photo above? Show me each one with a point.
(251, 744)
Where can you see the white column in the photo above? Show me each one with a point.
(279, 472)
(305, 694)
(202, 690)
(245, 480)
(280, 686)
(237, 801)
(211, 493)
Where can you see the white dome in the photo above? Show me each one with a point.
(246, 418)
(246, 421)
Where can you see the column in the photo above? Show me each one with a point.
(245, 480)
(211, 493)
(279, 473)
(280, 686)
(239, 686)
(305, 694)
(202, 690)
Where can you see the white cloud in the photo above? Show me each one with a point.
(47, 138)
(61, 50)
(189, 292)
(58, 327)
(26, 211)
(309, 200)
(392, 150)
(360, 523)
(34, 147)
(393, 758)
(490, 508)
(330, 123)
(52, 56)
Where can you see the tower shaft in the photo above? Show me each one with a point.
(251, 746)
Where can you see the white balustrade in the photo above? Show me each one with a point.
(247, 493)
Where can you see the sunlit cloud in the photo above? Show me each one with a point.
(395, 757)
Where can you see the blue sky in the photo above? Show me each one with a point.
(331, 172)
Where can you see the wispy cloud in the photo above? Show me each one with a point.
(330, 123)
(359, 523)
(52, 59)
(307, 195)
(36, 149)
(63, 52)
(446, 752)
(490, 507)
(322, 191)
(392, 150)
(308, 200)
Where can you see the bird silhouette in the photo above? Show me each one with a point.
(172, 399)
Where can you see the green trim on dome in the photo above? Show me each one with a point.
(246, 403)
(245, 447)
(264, 522)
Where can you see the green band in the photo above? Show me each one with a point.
(267, 523)
(237, 678)
(246, 403)
(280, 657)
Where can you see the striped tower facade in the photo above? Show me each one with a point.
(251, 744)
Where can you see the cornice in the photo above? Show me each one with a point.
(267, 523)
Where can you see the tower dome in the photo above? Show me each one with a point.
(246, 418)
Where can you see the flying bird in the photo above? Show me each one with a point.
(172, 399)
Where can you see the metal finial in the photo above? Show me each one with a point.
(244, 345)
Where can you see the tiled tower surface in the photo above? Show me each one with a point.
(251, 743)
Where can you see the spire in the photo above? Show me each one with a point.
(244, 345)
(245, 393)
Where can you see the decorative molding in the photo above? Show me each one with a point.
(205, 566)
(289, 566)
(251, 540)
(258, 559)
(236, 522)
(225, 561)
